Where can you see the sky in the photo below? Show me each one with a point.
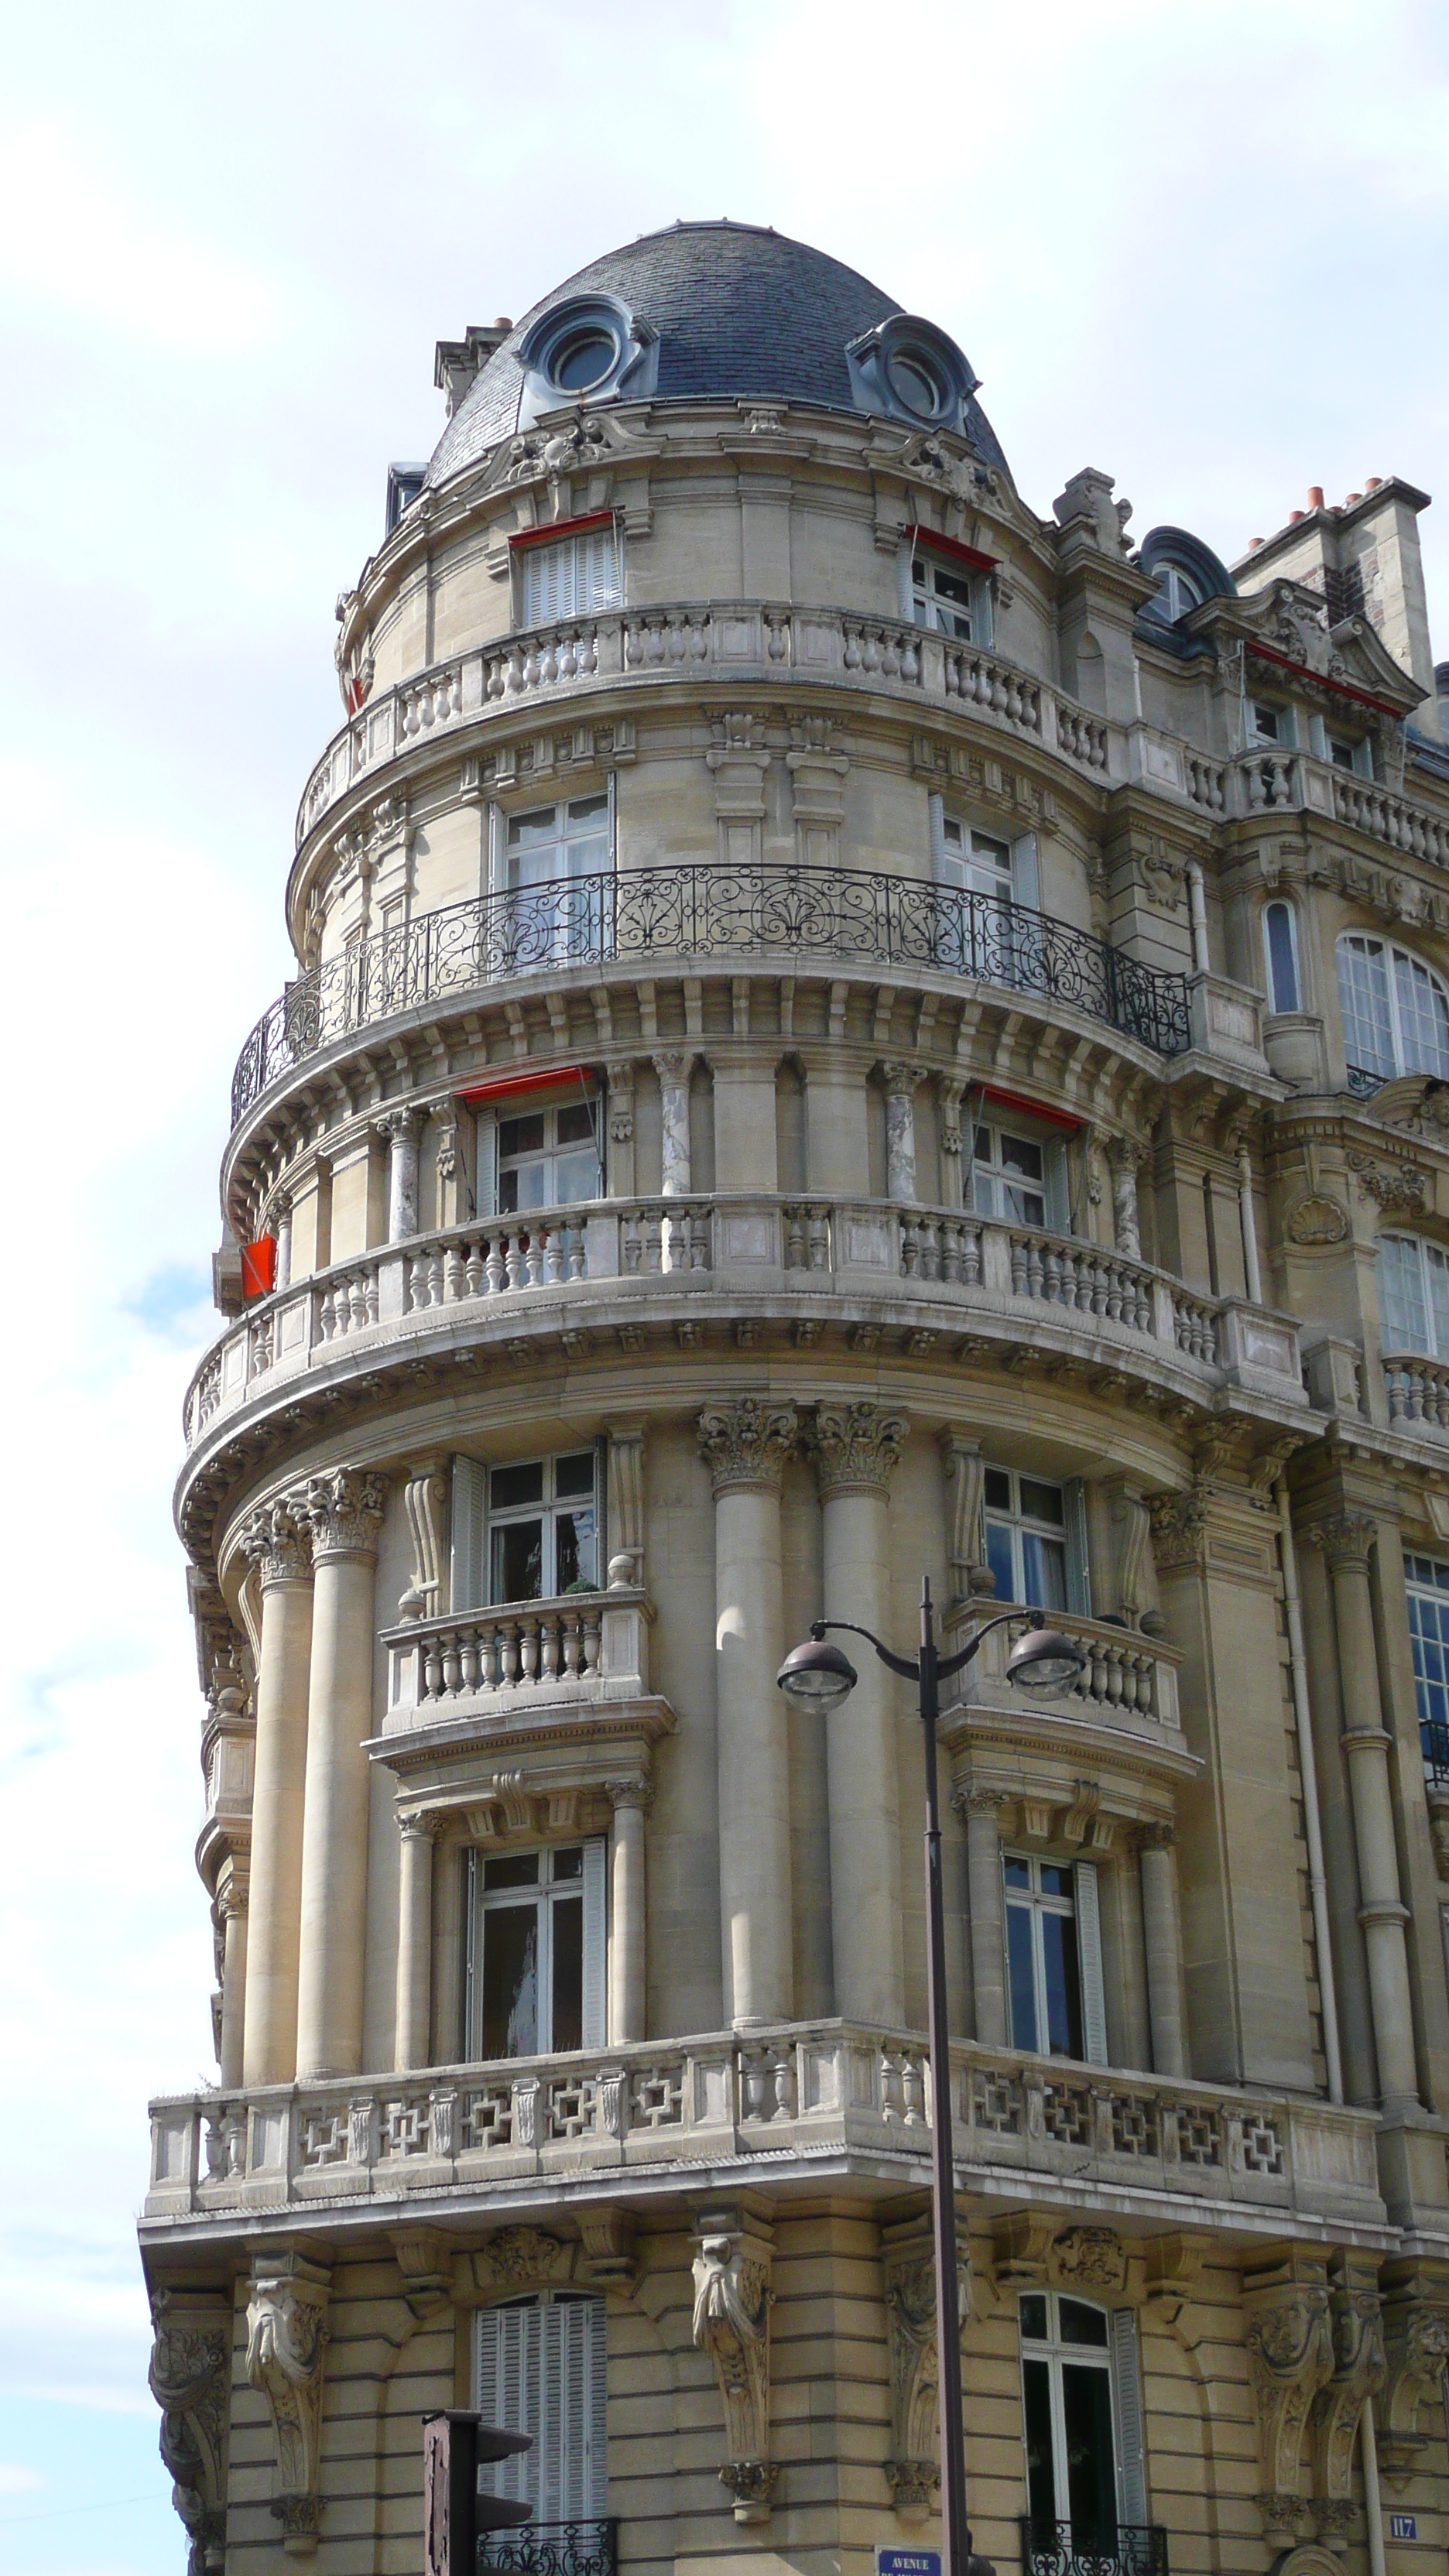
(1200, 247)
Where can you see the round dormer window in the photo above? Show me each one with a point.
(582, 358)
(916, 382)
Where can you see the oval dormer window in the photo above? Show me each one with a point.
(916, 381)
(581, 359)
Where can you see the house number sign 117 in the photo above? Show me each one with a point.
(1403, 2526)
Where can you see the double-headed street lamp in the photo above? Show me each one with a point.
(820, 1676)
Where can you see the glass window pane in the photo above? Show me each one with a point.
(1043, 1502)
(1423, 1016)
(575, 1474)
(521, 1135)
(1018, 1154)
(576, 1124)
(1282, 966)
(529, 831)
(568, 1972)
(1041, 2485)
(574, 1548)
(1403, 1319)
(1363, 992)
(1044, 1564)
(524, 1186)
(1078, 2323)
(569, 1864)
(1063, 1986)
(1021, 1977)
(1437, 1269)
(575, 1177)
(999, 1558)
(1055, 1880)
(508, 1486)
(1018, 1871)
(512, 1869)
(1033, 2317)
(1091, 2476)
(510, 1982)
(518, 1561)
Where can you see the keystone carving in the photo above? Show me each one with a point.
(1291, 2355)
(1089, 2258)
(856, 1447)
(519, 2256)
(188, 2379)
(345, 1510)
(732, 2302)
(277, 1540)
(286, 2341)
(1416, 2340)
(746, 1444)
(1358, 2374)
(913, 2472)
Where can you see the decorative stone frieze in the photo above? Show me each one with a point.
(1358, 2374)
(277, 1541)
(913, 2471)
(286, 2343)
(517, 2258)
(732, 2302)
(856, 1447)
(1397, 1189)
(746, 1443)
(189, 2378)
(1416, 2352)
(345, 1510)
(1291, 2356)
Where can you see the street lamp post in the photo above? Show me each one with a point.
(817, 1675)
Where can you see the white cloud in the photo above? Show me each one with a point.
(17, 2480)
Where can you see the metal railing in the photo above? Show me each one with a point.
(553, 2549)
(769, 908)
(1434, 1745)
(1084, 2549)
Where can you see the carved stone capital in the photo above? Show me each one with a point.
(286, 2342)
(901, 1080)
(425, 1498)
(1291, 2357)
(277, 1540)
(189, 2375)
(856, 1447)
(400, 1126)
(1179, 1527)
(635, 1792)
(732, 2302)
(1346, 1538)
(345, 1510)
(746, 1443)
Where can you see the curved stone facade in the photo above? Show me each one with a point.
(843, 1031)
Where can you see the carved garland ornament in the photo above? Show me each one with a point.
(1397, 1188)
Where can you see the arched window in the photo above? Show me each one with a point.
(1280, 952)
(538, 2368)
(1413, 1295)
(1395, 1011)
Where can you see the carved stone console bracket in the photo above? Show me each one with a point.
(913, 2472)
(732, 2302)
(286, 2341)
(1358, 2374)
(1416, 2352)
(189, 2373)
(1290, 2349)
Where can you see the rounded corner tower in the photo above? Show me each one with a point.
(795, 1079)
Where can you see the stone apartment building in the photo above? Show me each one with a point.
(843, 1029)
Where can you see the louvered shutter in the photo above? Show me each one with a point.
(1025, 882)
(472, 1962)
(508, 2386)
(1079, 1581)
(937, 808)
(596, 2033)
(577, 2474)
(470, 1501)
(1089, 1963)
(1127, 2386)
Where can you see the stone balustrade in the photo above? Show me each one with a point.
(1127, 1677)
(994, 1271)
(518, 1656)
(1418, 1393)
(740, 639)
(1142, 2143)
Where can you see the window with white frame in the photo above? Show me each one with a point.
(1280, 956)
(572, 577)
(1082, 2409)
(1177, 592)
(980, 863)
(1395, 1009)
(1413, 1284)
(558, 842)
(543, 1528)
(536, 1951)
(950, 597)
(1426, 1586)
(1270, 722)
(539, 2368)
(1035, 1540)
(1018, 1177)
(1353, 752)
(547, 1155)
(1054, 1958)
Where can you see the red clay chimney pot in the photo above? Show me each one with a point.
(1315, 496)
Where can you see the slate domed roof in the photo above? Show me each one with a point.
(724, 309)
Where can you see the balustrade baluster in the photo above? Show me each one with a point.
(433, 1669)
(455, 1275)
(508, 1640)
(533, 1270)
(452, 1663)
(653, 1241)
(548, 1630)
(794, 1239)
(474, 1271)
(494, 1265)
(513, 1259)
(471, 1659)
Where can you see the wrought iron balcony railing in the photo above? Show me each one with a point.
(771, 908)
(553, 2549)
(1083, 2549)
(1434, 1745)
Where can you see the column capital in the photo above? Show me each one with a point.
(856, 1447)
(1346, 1538)
(345, 1509)
(233, 1893)
(674, 1064)
(635, 1792)
(277, 1540)
(403, 1124)
(746, 1443)
(1159, 1836)
(1179, 1526)
(902, 1080)
(424, 1828)
(1128, 1153)
(977, 1802)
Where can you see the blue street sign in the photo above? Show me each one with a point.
(1403, 2526)
(908, 2562)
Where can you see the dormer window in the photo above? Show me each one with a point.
(1176, 593)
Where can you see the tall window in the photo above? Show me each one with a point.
(1280, 953)
(1427, 1586)
(543, 1528)
(548, 1157)
(1082, 2405)
(1019, 1179)
(1026, 1538)
(567, 840)
(1395, 1010)
(539, 2368)
(981, 864)
(571, 578)
(1413, 1280)
(536, 1960)
(1041, 1957)
(554, 861)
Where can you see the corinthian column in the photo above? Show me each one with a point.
(278, 1543)
(1127, 1158)
(400, 1129)
(746, 1445)
(856, 1448)
(1346, 1539)
(345, 1510)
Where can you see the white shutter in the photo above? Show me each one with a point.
(485, 1130)
(1089, 1962)
(575, 2440)
(1058, 1195)
(1127, 2387)
(506, 2381)
(595, 1933)
(497, 850)
(937, 806)
(1025, 881)
(905, 603)
(470, 1505)
(1079, 1590)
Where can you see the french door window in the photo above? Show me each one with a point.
(543, 1528)
(1426, 1585)
(1043, 1968)
(949, 598)
(1011, 1176)
(1413, 1278)
(974, 861)
(1280, 950)
(536, 1960)
(1081, 2401)
(539, 2368)
(1395, 1011)
(548, 1157)
(1026, 1538)
(565, 840)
